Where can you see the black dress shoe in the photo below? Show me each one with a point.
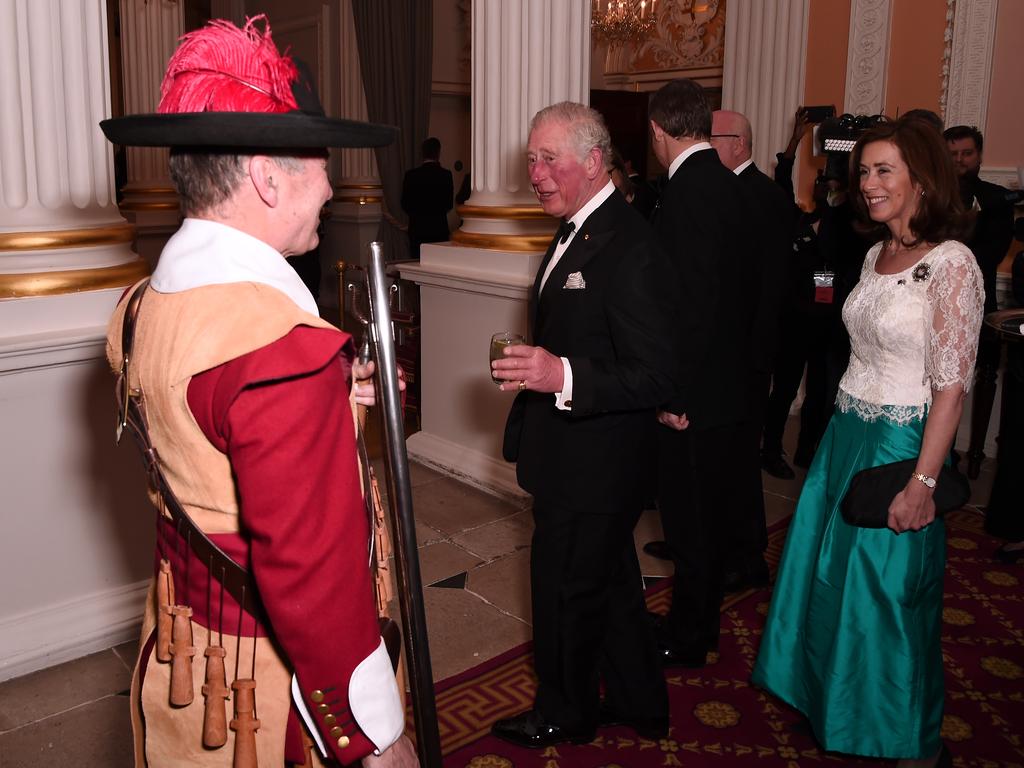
(776, 466)
(803, 458)
(1009, 556)
(690, 658)
(945, 758)
(530, 730)
(652, 728)
(658, 549)
(754, 575)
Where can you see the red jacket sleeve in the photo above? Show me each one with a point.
(282, 416)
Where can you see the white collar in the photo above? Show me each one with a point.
(685, 154)
(204, 252)
(743, 166)
(592, 205)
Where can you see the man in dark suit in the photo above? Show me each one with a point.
(773, 219)
(426, 199)
(702, 223)
(602, 323)
(993, 233)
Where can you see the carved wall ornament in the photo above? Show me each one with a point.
(689, 34)
(868, 57)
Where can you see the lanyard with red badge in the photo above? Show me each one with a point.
(823, 289)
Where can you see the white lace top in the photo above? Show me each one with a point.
(911, 332)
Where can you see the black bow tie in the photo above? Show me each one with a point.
(565, 230)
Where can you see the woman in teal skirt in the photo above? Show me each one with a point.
(852, 638)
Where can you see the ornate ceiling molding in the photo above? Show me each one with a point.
(868, 58)
(972, 43)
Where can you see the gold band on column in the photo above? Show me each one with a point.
(517, 212)
(32, 284)
(66, 238)
(498, 242)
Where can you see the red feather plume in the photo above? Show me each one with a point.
(221, 68)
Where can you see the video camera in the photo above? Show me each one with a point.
(836, 138)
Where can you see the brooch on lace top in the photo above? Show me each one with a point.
(922, 272)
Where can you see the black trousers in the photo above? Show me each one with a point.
(696, 487)
(804, 342)
(589, 617)
(747, 532)
(1004, 516)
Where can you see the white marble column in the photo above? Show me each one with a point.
(527, 54)
(64, 261)
(765, 52)
(358, 197)
(149, 34)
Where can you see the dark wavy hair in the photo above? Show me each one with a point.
(940, 213)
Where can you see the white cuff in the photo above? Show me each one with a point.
(563, 399)
(374, 701)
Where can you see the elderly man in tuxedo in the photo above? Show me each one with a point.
(703, 221)
(602, 361)
(774, 221)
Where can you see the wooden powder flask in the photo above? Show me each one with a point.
(164, 601)
(216, 691)
(244, 723)
(182, 651)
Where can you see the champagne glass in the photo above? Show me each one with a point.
(499, 341)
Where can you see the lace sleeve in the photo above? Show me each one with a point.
(957, 299)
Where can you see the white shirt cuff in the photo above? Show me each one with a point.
(374, 700)
(563, 399)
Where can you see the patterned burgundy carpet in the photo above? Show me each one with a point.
(719, 719)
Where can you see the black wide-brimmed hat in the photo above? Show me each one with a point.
(227, 87)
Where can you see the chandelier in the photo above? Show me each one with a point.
(620, 21)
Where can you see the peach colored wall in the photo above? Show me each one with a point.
(828, 34)
(1004, 125)
(914, 79)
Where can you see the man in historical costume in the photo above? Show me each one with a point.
(703, 223)
(247, 398)
(602, 323)
(773, 222)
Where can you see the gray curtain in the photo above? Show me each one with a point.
(395, 40)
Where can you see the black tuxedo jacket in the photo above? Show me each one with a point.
(993, 232)
(774, 224)
(426, 198)
(704, 224)
(617, 335)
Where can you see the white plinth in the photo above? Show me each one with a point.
(467, 294)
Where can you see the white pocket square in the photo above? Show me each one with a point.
(575, 281)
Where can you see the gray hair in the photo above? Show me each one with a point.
(207, 180)
(586, 128)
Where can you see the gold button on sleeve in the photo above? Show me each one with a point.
(323, 708)
(317, 696)
(336, 732)
(343, 742)
(330, 720)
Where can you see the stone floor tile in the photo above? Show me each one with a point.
(648, 528)
(443, 559)
(502, 537)
(505, 583)
(777, 508)
(34, 696)
(127, 653)
(95, 735)
(454, 507)
(465, 631)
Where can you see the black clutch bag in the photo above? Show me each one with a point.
(866, 503)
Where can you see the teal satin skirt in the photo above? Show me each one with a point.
(853, 634)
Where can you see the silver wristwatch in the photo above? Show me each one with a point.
(929, 481)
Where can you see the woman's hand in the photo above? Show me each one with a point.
(912, 508)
